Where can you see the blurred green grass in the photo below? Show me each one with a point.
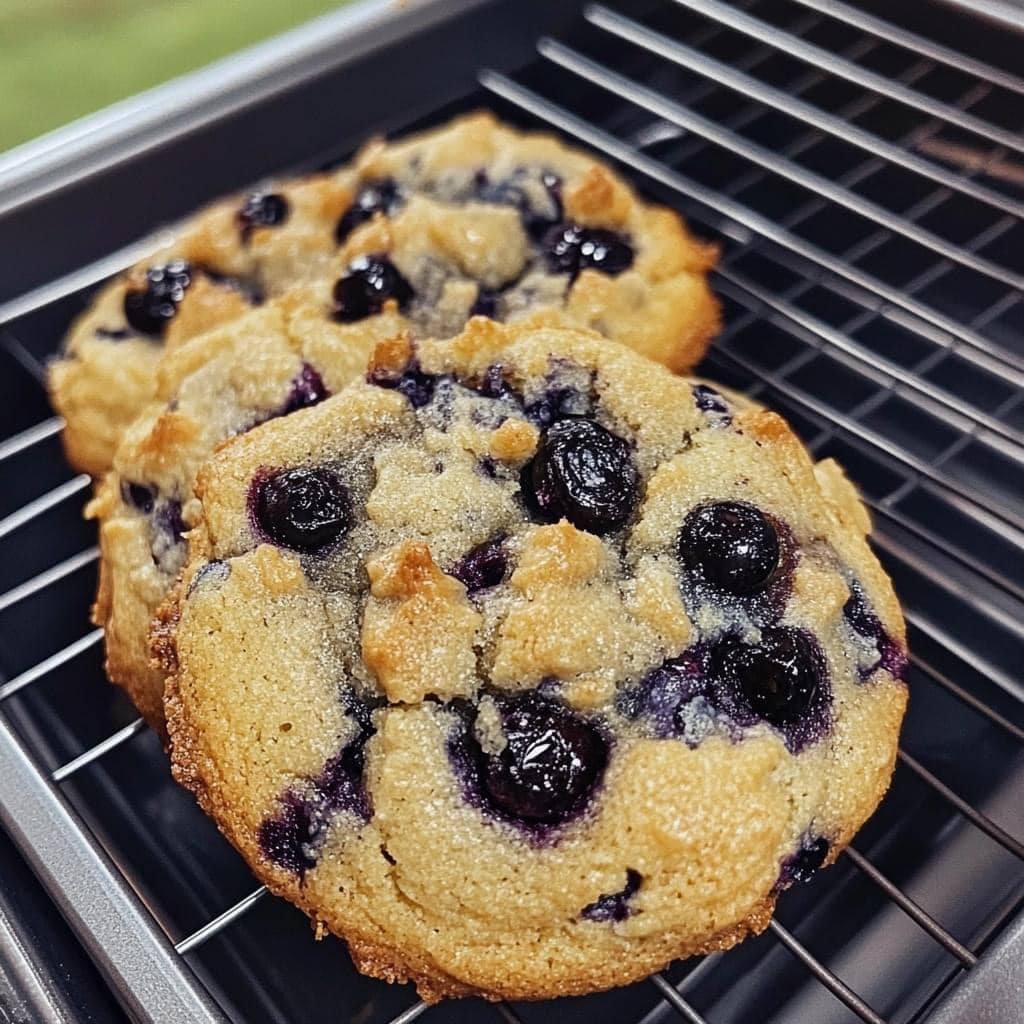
(60, 59)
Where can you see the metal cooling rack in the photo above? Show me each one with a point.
(866, 178)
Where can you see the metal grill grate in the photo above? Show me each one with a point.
(867, 182)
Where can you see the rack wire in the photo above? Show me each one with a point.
(661, 81)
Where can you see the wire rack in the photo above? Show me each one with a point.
(866, 178)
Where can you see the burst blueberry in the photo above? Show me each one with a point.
(484, 566)
(582, 473)
(151, 308)
(367, 284)
(307, 388)
(550, 765)
(803, 865)
(778, 679)
(262, 210)
(569, 249)
(139, 496)
(732, 545)
(302, 508)
(614, 906)
(373, 198)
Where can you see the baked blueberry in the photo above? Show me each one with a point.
(262, 210)
(302, 508)
(731, 544)
(865, 623)
(286, 839)
(551, 762)
(569, 248)
(614, 906)
(412, 382)
(582, 473)
(307, 389)
(537, 218)
(778, 679)
(803, 865)
(367, 284)
(374, 197)
(139, 496)
(484, 566)
(150, 309)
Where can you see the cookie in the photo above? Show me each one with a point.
(470, 219)
(277, 358)
(527, 667)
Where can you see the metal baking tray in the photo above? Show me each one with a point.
(862, 165)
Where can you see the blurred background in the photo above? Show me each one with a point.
(60, 59)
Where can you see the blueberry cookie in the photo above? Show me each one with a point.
(273, 360)
(470, 219)
(527, 667)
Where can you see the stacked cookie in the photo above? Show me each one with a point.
(517, 661)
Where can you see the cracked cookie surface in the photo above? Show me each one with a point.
(527, 667)
(473, 218)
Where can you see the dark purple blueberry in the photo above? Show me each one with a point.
(569, 248)
(661, 698)
(486, 303)
(287, 839)
(412, 382)
(803, 865)
(859, 615)
(367, 284)
(614, 906)
(139, 496)
(307, 389)
(262, 210)
(732, 545)
(778, 679)
(150, 309)
(863, 621)
(374, 197)
(493, 383)
(292, 836)
(484, 566)
(302, 508)
(711, 402)
(582, 473)
(210, 576)
(550, 765)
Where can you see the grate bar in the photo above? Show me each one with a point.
(221, 921)
(913, 910)
(763, 157)
(912, 41)
(47, 665)
(833, 63)
(968, 698)
(506, 1013)
(867, 435)
(48, 577)
(969, 657)
(981, 821)
(675, 1000)
(94, 753)
(43, 503)
(31, 436)
(692, 59)
(844, 343)
(739, 219)
(837, 987)
(410, 1013)
(968, 594)
(993, 576)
